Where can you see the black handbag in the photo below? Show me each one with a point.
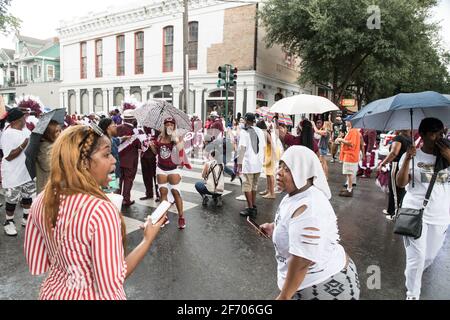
(408, 222)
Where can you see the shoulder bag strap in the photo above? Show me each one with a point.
(430, 189)
(210, 170)
(216, 178)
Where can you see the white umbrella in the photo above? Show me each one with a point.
(304, 103)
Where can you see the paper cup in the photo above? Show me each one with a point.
(116, 199)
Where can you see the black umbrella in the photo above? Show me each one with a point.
(34, 143)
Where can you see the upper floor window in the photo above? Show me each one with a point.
(168, 49)
(193, 45)
(121, 55)
(25, 74)
(139, 53)
(50, 73)
(83, 60)
(99, 58)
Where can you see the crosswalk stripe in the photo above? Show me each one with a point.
(135, 195)
(193, 174)
(132, 225)
(200, 161)
(197, 175)
(185, 186)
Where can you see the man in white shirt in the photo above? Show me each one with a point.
(251, 148)
(17, 182)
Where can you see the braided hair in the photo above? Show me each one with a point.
(69, 173)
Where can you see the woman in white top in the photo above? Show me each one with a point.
(421, 252)
(311, 262)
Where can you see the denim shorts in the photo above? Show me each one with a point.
(323, 152)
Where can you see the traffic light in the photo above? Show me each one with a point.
(223, 72)
(227, 76)
(233, 77)
(222, 76)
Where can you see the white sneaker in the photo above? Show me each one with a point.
(24, 222)
(10, 228)
(389, 217)
(166, 223)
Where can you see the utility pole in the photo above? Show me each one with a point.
(186, 55)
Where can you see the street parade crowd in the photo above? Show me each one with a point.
(66, 178)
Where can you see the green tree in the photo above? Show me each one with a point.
(337, 47)
(422, 68)
(8, 22)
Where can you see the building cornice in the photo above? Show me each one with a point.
(125, 16)
(27, 59)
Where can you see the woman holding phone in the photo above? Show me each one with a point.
(167, 147)
(74, 232)
(305, 234)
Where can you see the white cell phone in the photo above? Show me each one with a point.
(159, 212)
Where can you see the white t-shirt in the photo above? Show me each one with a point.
(290, 237)
(252, 163)
(14, 173)
(437, 211)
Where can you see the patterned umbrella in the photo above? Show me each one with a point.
(265, 112)
(284, 119)
(153, 113)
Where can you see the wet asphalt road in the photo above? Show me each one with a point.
(219, 256)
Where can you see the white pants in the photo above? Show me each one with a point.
(420, 254)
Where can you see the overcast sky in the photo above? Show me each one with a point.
(40, 19)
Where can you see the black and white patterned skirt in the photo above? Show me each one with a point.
(342, 286)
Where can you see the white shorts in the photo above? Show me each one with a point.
(350, 168)
(161, 172)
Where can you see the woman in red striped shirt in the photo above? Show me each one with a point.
(74, 232)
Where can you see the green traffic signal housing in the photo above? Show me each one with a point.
(227, 75)
(222, 73)
(233, 77)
